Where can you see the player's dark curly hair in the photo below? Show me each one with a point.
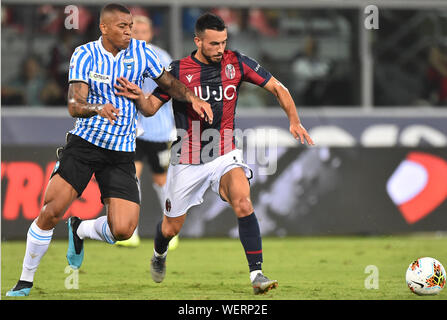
(209, 21)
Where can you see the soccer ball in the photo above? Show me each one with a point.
(425, 276)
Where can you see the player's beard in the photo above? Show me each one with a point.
(210, 58)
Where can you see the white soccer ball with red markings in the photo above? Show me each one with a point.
(425, 276)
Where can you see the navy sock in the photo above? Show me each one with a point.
(250, 237)
(160, 242)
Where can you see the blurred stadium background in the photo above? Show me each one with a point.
(373, 100)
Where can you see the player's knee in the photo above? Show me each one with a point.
(242, 207)
(170, 230)
(49, 215)
(121, 233)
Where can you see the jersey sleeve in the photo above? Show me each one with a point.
(154, 67)
(148, 84)
(80, 64)
(253, 72)
(161, 94)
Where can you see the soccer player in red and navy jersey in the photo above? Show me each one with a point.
(204, 154)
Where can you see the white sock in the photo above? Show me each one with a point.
(37, 243)
(253, 274)
(160, 194)
(96, 229)
(163, 255)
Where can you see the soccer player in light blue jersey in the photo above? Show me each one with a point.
(157, 132)
(102, 141)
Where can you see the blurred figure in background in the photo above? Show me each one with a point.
(58, 68)
(26, 88)
(259, 21)
(436, 91)
(155, 133)
(311, 72)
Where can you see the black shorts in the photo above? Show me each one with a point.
(114, 170)
(156, 153)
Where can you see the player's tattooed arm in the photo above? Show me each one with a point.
(78, 107)
(178, 91)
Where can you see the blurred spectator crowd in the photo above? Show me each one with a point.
(314, 52)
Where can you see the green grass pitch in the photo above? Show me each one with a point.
(307, 268)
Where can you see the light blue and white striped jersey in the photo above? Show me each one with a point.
(161, 126)
(97, 67)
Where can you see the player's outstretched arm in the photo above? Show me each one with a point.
(287, 103)
(78, 107)
(178, 91)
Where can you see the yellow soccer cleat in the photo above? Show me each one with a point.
(132, 242)
(173, 244)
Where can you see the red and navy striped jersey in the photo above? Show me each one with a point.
(218, 84)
